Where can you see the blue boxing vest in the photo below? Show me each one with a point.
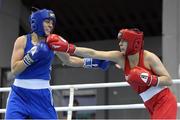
(38, 70)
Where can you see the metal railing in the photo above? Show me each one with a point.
(72, 88)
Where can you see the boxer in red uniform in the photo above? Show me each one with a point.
(143, 71)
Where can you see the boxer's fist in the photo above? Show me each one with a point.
(96, 63)
(142, 77)
(57, 43)
(36, 53)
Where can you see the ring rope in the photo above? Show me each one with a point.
(70, 108)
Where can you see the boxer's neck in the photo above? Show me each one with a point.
(134, 59)
(36, 38)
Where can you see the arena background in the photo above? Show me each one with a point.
(95, 24)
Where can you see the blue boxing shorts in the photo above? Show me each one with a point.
(25, 103)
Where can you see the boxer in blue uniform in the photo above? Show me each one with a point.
(30, 95)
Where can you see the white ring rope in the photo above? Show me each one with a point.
(70, 108)
(79, 86)
(85, 86)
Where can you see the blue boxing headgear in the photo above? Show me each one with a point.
(37, 18)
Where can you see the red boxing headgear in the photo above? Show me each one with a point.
(134, 37)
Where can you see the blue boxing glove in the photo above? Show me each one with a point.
(36, 53)
(96, 63)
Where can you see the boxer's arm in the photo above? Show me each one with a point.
(113, 56)
(159, 69)
(17, 64)
(70, 60)
(85, 62)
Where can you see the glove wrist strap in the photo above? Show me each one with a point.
(71, 48)
(27, 60)
(154, 81)
(87, 63)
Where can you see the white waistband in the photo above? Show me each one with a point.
(32, 83)
(149, 93)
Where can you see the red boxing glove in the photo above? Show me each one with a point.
(142, 77)
(57, 43)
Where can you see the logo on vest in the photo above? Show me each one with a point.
(144, 77)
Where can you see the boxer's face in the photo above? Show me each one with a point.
(48, 26)
(123, 45)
